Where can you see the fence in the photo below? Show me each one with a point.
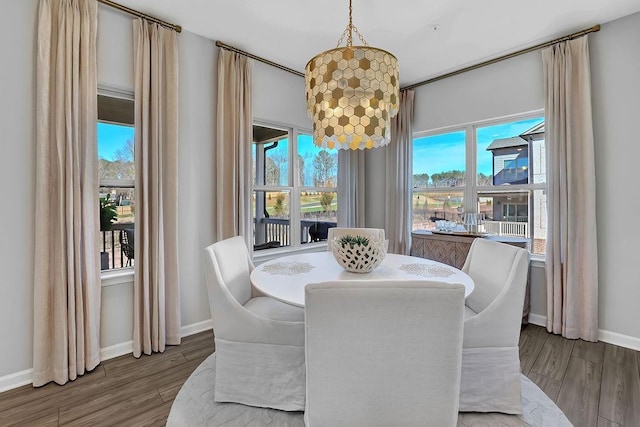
(507, 228)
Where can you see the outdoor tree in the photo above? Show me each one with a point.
(301, 169)
(420, 180)
(325, 201)
(324, 169)
(450, 178)
(278, 208)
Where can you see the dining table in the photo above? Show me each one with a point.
(285, 278)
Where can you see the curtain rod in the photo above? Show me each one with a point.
(114, 5)
(507, 56)
(257, 58)
(593, 29)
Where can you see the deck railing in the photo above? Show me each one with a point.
(507, 228)
(279, 230)
(110, 245)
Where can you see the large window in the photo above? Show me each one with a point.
(294, 195)
(497, 170)
(117, 181)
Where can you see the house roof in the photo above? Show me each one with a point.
(514, 141)
(535, 133)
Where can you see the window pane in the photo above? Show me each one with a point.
(439, 160)
(503, 152)
(505, 214)
(115, 151)
(117, 206)
(319, 211)
(431, 207)
(271, 219)
(317, 167)
(270, 156)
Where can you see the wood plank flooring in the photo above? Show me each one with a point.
(595, 384)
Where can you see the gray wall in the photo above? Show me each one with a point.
(615, 78)
(17, 171)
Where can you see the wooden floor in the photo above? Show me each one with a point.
(595, 384)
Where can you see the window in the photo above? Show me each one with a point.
(504, 180)
(294, 195)
(438, 179)
(117, 181)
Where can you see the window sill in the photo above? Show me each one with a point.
(537, 261)
(266, 255)
(117, 277)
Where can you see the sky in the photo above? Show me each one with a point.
(112, 138)
(445, 152)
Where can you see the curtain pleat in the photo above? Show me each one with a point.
(234, 134)
(571, 253)
(156, 284)
(399, 168)
(67, 282)
(351, 188)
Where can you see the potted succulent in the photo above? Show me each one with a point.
(358, 254)
(108, 214)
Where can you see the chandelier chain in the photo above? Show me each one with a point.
(348, 32)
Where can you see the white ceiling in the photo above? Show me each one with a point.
(290, 32)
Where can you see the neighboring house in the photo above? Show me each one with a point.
(512, 166)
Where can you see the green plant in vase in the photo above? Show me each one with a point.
(352, 241)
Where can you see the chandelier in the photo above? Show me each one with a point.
(352, 94)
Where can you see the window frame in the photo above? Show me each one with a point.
(472, 190)
(116, 276)
(295, 189)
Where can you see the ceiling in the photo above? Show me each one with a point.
(429, 37)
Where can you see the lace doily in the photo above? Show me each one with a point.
(288, 268)
(426, 270)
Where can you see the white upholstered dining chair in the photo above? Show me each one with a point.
(382, 353)
(493, 316)
(259, 341)
(332, 233)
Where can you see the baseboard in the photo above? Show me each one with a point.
(536, 319)
(117, 350)
(618, 339)
(196, 328)
(21, 378)
(16, 380)
(609, 337)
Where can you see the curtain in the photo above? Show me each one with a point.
(571, 253)
(234, 135)
(399, 168)
(351, 188)
(156, 288)
(66, 335)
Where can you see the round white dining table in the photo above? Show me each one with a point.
(285, 278)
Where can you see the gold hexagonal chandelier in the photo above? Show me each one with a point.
(352, 94)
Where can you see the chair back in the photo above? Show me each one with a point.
(383, 353)
(127, 243)
(494, 267)
(228, 269)
(334, 232)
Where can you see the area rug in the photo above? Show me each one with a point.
(194, 406)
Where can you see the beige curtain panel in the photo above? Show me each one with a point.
(66, 336)
(234, 134)
(399, 154)
(156, 287)
(351, 188)
(572, 255)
